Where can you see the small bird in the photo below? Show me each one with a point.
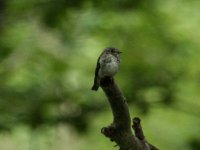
(107, 65)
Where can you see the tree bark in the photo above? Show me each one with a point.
(119, 130)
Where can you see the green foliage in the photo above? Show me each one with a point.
(48, 53)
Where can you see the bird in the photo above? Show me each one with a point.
(107, 65)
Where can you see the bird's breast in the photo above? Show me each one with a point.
(109, 69)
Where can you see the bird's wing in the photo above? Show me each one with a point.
(98, 66)
(96, 77)
(97, 69)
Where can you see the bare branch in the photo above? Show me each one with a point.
(139, 133)
(120, 129)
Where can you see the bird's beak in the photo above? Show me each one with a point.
(119, 52)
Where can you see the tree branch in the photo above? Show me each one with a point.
(120, 129)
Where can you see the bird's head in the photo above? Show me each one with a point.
(111, 50)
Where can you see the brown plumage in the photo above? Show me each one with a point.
(107, 65)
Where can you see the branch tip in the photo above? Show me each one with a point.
(106, 81)
(108, 132)
(138, 128)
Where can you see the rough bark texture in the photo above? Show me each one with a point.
(120, 129)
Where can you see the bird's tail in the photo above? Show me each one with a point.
(96, 84)
(95, 87)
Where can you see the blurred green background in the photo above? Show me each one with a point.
(48, 53)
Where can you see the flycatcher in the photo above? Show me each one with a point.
(107, 65)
